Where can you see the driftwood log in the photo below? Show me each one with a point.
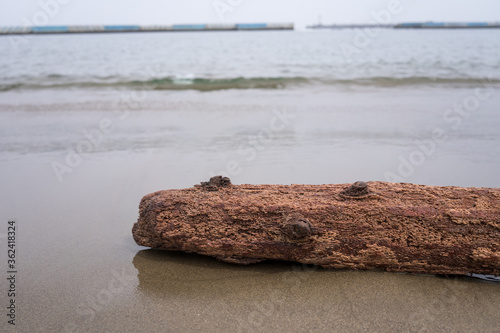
(390, 226)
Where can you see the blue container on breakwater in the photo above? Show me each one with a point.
(477, 24)
(189, 26)
(434, 24)
(121, 28)
(251, 26)
(50, 29)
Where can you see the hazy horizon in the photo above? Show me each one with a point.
(301, 13)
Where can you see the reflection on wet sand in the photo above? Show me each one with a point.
(171, 273)
(289, 296)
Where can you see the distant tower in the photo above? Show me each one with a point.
(319, 20)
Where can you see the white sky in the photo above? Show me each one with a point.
(300, 12)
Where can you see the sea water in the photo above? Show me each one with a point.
(416, 106)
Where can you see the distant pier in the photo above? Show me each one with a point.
(412, 25)
(72, 29)
(448, 25)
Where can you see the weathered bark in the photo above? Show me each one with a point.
(391, 226)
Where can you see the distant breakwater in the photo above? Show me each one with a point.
(13, 30)
(413, 25)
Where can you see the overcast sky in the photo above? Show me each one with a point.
(300, 12)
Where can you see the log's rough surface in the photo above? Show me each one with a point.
(391, 226)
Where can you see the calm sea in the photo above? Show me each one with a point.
(417, 106)
(250, 60)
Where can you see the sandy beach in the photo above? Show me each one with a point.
(80, 271)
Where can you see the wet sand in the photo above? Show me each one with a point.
(279, 296)
(80, 271)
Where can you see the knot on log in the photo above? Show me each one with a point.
(215, 183)
(357, 190)
(297, 229)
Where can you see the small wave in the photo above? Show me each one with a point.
(203, 84)
(177, 83)
(7, 87)
(209, 84)
(411, 81)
